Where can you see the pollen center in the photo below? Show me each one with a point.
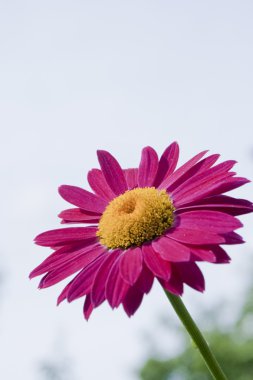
(134, 217)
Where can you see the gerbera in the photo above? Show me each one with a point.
(154, 221)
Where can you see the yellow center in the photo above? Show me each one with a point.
(134, 217)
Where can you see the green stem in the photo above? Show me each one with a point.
(196, 336)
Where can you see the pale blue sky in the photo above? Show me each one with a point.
(76, 76)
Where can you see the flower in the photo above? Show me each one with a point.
(152, 222)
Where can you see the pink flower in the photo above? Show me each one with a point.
(152, 222)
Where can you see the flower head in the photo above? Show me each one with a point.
(155, 221)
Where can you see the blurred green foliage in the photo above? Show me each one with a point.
(232, 348)
(56, 369)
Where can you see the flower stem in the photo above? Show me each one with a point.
(196, 336)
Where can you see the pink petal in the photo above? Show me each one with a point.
(174, 284)
(98, 287)
(82, 283)
(167, 163)
(171, 250)
(131, 265)
(193, 236)
(192, 275)
(64, 293)
(87, 308)
(204, 254)
(204, 179)
(132, 301)
(82, 198)
(213, 254)
(70, 267)
(155, 263)
(212, 221)
(232, 238)
(203, 165)
(203, 227)
(225, 200)
(116, 288)
(99, 185)
(112, 172)
(221, 203)
(200, 189)
(174, 287)
(63, 236)
(230, 184)
(214, 187)
(63, 255)
(148, 167)
(78, 215)
(131, 176)
(221, 256)
(181, 171)
(196, 169)
(145, 280)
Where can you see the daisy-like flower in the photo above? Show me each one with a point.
(155, 221)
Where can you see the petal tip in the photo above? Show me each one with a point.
(59, 301)
(101, 151)
(31, 275)
(61, 188)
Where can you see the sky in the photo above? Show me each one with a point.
(77, 76)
